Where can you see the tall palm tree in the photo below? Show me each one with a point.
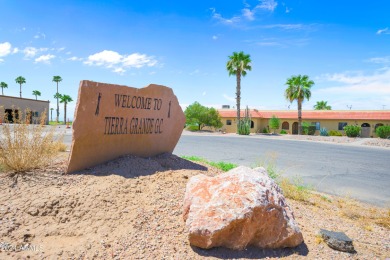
(58, 97)
(237, 65)
(322, 105)
(20, 80)
(298, 88)
(36, 93)
(65, 99)
(57, 79)
(3, 85)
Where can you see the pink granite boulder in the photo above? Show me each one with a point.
(239, 208)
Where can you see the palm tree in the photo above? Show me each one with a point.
(57, 96)
(65, 99)
(36, 93)
(51, 114)
(57, 79)
(3, 85)
(237, 65)
(322, 105)
(20, 80)
(298, 88)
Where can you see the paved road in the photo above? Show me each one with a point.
(348, 170)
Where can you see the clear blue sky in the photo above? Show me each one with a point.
(344, 46)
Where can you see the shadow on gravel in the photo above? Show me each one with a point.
(130, 166)
(252, 252)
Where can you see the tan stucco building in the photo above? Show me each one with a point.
(329, 119)
(37, 107)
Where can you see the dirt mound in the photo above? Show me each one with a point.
(130, 208)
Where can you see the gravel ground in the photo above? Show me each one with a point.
(130, 208)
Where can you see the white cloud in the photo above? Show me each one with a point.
(248, 14)
(112, 59)
(40, 35)
(30, 52)
(215, 37)
(219, 18)
(5, 49)
(16, 50)
(296, 26)
(357, 83)
(45, 58)
(231, 99)
(383, 31)
(269, 5)
(74, 58)
(1, 60)
(380, 60)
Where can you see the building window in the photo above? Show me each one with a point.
(35, 114)
(286, 126)
(341, 125)
(228, 122)
(317, 124)
(252, 124)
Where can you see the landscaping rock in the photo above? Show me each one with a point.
(337, 240)
(238, 208)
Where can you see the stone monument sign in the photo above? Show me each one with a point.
(114, 120)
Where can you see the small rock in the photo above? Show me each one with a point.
(338, 241)
(33, 211)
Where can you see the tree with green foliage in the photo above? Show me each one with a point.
(298, 88)
(65, 99)
(57, 79)
(36, 93)
(202, 116)
(322, 105)
(238, 65)
(274, 123)
(3, 85)
(20, 80)
(57, 96)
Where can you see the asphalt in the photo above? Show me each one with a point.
(356, 171)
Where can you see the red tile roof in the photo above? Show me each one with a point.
(312, 114)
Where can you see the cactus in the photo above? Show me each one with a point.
(324, 132)
(244, 125)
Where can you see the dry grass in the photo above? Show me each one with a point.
(25, 146)
(295, 189)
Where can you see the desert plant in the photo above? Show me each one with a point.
(3, 85)
(20, 80)
(352, 130)
(383, 131)
(308, 129)
(244, 125)
(265, 130)
(36, 93)
(324, 132)
(322, 105)
(274, 123)
(24, 147)
(283, 132)
(57, 79)
(224, 166)
(335, 133)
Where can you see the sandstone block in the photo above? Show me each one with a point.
(113, 120)
(239, 208)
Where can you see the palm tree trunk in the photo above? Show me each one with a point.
(20, 90)
(65, 113)
(299, 116)
(2, 91)
(238, 96)
(58, 107)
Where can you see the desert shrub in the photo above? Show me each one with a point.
(244, 125)
(224, 166)
(192, 128)
(352, 130)
(26, 146)
(265, 130)
(324, 132)
(295, 189)
(308, 129)
(335, 133)
(383, 131)
(283, 132)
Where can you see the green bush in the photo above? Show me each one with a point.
(193, 128)
(335, 133)
(244, 125)
(324, 132)
(265, 130)
(383, 131)
(283, 132)
(352, 130)
(274, 123)
(308, 129)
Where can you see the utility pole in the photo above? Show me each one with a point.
(350, 107)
